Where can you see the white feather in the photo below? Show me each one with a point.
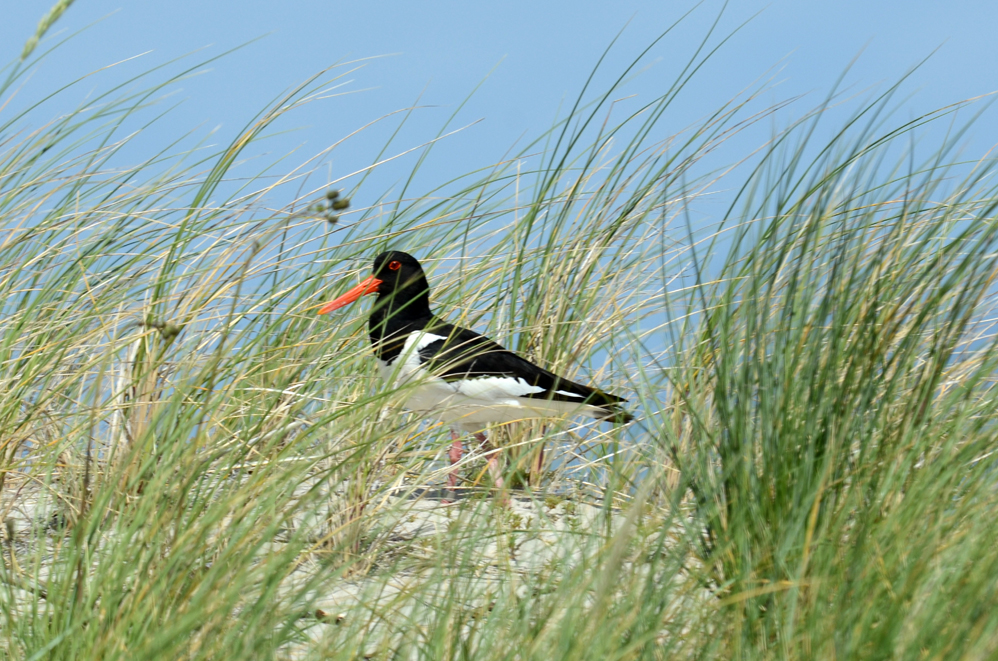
(567, 394)
(496, 387)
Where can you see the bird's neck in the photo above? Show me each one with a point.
(395, 316)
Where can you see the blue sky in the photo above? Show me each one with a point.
(532, 59)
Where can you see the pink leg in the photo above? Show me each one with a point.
(493, 464)
(456, 449)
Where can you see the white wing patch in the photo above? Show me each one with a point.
(495, 388)
(567, 394)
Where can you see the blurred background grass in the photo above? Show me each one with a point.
(194, 465)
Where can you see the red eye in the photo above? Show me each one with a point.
(394, 265)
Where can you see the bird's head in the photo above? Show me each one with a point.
(396, 276)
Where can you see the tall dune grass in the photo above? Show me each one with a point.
(194, 465)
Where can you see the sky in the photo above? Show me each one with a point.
(521, 63)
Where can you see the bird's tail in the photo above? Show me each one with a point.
(612, 413)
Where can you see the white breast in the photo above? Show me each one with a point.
(422, 391)
(405, 367)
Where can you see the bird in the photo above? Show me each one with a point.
(455, 375)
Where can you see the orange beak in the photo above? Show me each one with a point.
(369, 286)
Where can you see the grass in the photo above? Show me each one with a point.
(194, 465)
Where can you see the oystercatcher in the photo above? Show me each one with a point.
(454, 374)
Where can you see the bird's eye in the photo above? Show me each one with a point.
(394, 265)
